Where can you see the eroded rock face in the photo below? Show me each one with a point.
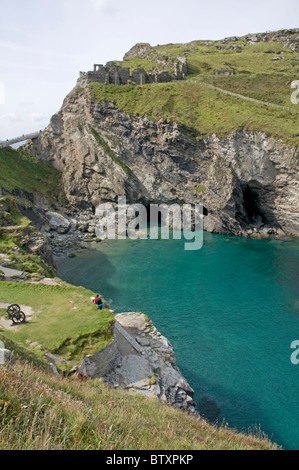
(141, 360)
(39, 245)
(248, 183)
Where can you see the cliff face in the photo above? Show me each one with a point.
(247, 182)
(141, 360)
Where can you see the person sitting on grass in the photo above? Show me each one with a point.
(99, 302)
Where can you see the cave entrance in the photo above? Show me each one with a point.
(252, 206)
(251, 203)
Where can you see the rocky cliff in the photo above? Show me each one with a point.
(247, 182)
(141, 360)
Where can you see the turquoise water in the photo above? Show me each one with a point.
(231, 311)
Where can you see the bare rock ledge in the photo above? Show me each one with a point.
(141, 360)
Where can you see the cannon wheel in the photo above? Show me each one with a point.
(13, 308)
(18, 317)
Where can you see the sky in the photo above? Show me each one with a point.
(44, 44)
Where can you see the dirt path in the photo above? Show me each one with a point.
(243, 97)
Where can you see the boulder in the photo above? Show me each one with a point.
(6, 357)
(58, 222)
(5, 260)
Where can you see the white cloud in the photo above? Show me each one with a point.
(2, 92)
(20, 48)
(10, 117)
(27, 66)
(26, 104)
(36, 117)
(103, 5)
(98, 4)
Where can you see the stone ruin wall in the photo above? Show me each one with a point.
(121, 76)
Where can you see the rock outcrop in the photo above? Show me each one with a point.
(58, 222)
(141, 360)
(7, 357)
(247, 182)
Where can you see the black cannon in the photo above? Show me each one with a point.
(15, 314)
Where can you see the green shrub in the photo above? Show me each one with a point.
(200, 188)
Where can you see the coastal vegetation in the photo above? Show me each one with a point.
(23, 180)
(263, 70)
(15, 232)
(20, 171)
(43, 411)
(197, 107)
(65, 322)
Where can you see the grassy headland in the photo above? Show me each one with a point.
(65, 322)
(263, 70)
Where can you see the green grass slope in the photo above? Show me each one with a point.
(15, 232)
(21, 171)
(64, 322)
(204, 57)
(204, 110)
(41, 411)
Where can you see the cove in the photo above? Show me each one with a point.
(231, 311)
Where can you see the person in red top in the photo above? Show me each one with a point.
(99, 302)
